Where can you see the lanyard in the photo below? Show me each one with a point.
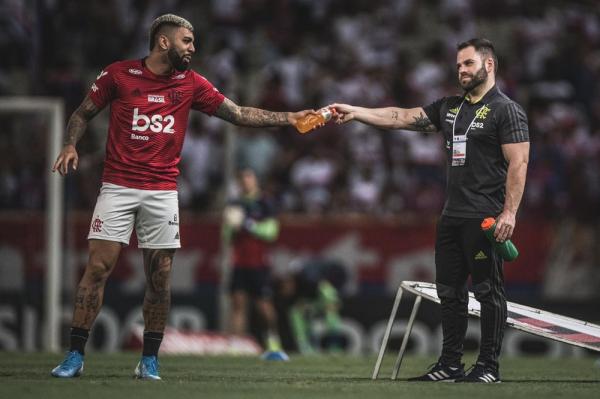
(470, 124)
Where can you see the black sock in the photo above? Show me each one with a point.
(152, 341)
(79, 337)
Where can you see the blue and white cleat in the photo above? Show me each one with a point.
(71, 367)
(275, 356)
(147, 368)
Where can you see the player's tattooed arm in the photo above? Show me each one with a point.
(252, 117)
(79, 121)
(76, 127)
(421, 123)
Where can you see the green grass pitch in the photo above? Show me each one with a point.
(109, 376)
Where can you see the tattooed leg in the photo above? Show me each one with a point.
(90, 291)
(157, 265)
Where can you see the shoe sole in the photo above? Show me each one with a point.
(66, 376)
(77, 374)
(138, 375)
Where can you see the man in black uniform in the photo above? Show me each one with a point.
(487, 142)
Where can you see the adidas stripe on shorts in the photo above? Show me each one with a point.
(154, 213)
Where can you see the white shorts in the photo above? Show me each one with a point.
(155, 214)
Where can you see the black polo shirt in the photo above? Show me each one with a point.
(477, 188)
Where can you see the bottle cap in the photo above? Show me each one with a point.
(487, 223)
(326, 112)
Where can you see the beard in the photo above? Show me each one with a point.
(178, 62)
(477, 79)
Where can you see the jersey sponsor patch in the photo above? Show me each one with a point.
(156, 123)
(450, 117)
(139, 137)
(134, 71)
(155, 98)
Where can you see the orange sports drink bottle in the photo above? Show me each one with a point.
(310, 121)
(506, 249)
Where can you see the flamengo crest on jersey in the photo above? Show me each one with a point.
(148, 120)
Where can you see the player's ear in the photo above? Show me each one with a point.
(489, 65)
(163, 42)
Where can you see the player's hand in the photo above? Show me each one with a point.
(342, 113)
(67, 157)
(293, 117)
(505, 225)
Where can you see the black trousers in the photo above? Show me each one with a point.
(461, 249)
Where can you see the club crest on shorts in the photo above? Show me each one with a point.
(97, 224)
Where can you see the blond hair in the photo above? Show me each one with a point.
(167, 20)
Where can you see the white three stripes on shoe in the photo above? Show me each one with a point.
(438, 375)
(487, 378)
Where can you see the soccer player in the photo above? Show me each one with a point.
(249, 236)
(487, 143)
(150, 100)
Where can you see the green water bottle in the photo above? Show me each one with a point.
(506, 249)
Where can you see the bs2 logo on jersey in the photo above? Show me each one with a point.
(156, 123)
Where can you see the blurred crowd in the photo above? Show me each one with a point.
(295, 54)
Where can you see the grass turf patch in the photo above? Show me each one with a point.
(110, 376)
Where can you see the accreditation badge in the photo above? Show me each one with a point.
(459, 150)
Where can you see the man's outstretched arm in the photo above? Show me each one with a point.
(385, 118)
(256, 117)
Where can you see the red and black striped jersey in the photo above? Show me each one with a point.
(148, 120)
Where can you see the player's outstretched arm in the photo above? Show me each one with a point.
(385, 118)
(75, 129)
(256, 117)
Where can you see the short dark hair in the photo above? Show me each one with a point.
(170, 20)
(484, 47)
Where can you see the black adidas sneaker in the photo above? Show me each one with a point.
(479, 372)
(440, 372)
